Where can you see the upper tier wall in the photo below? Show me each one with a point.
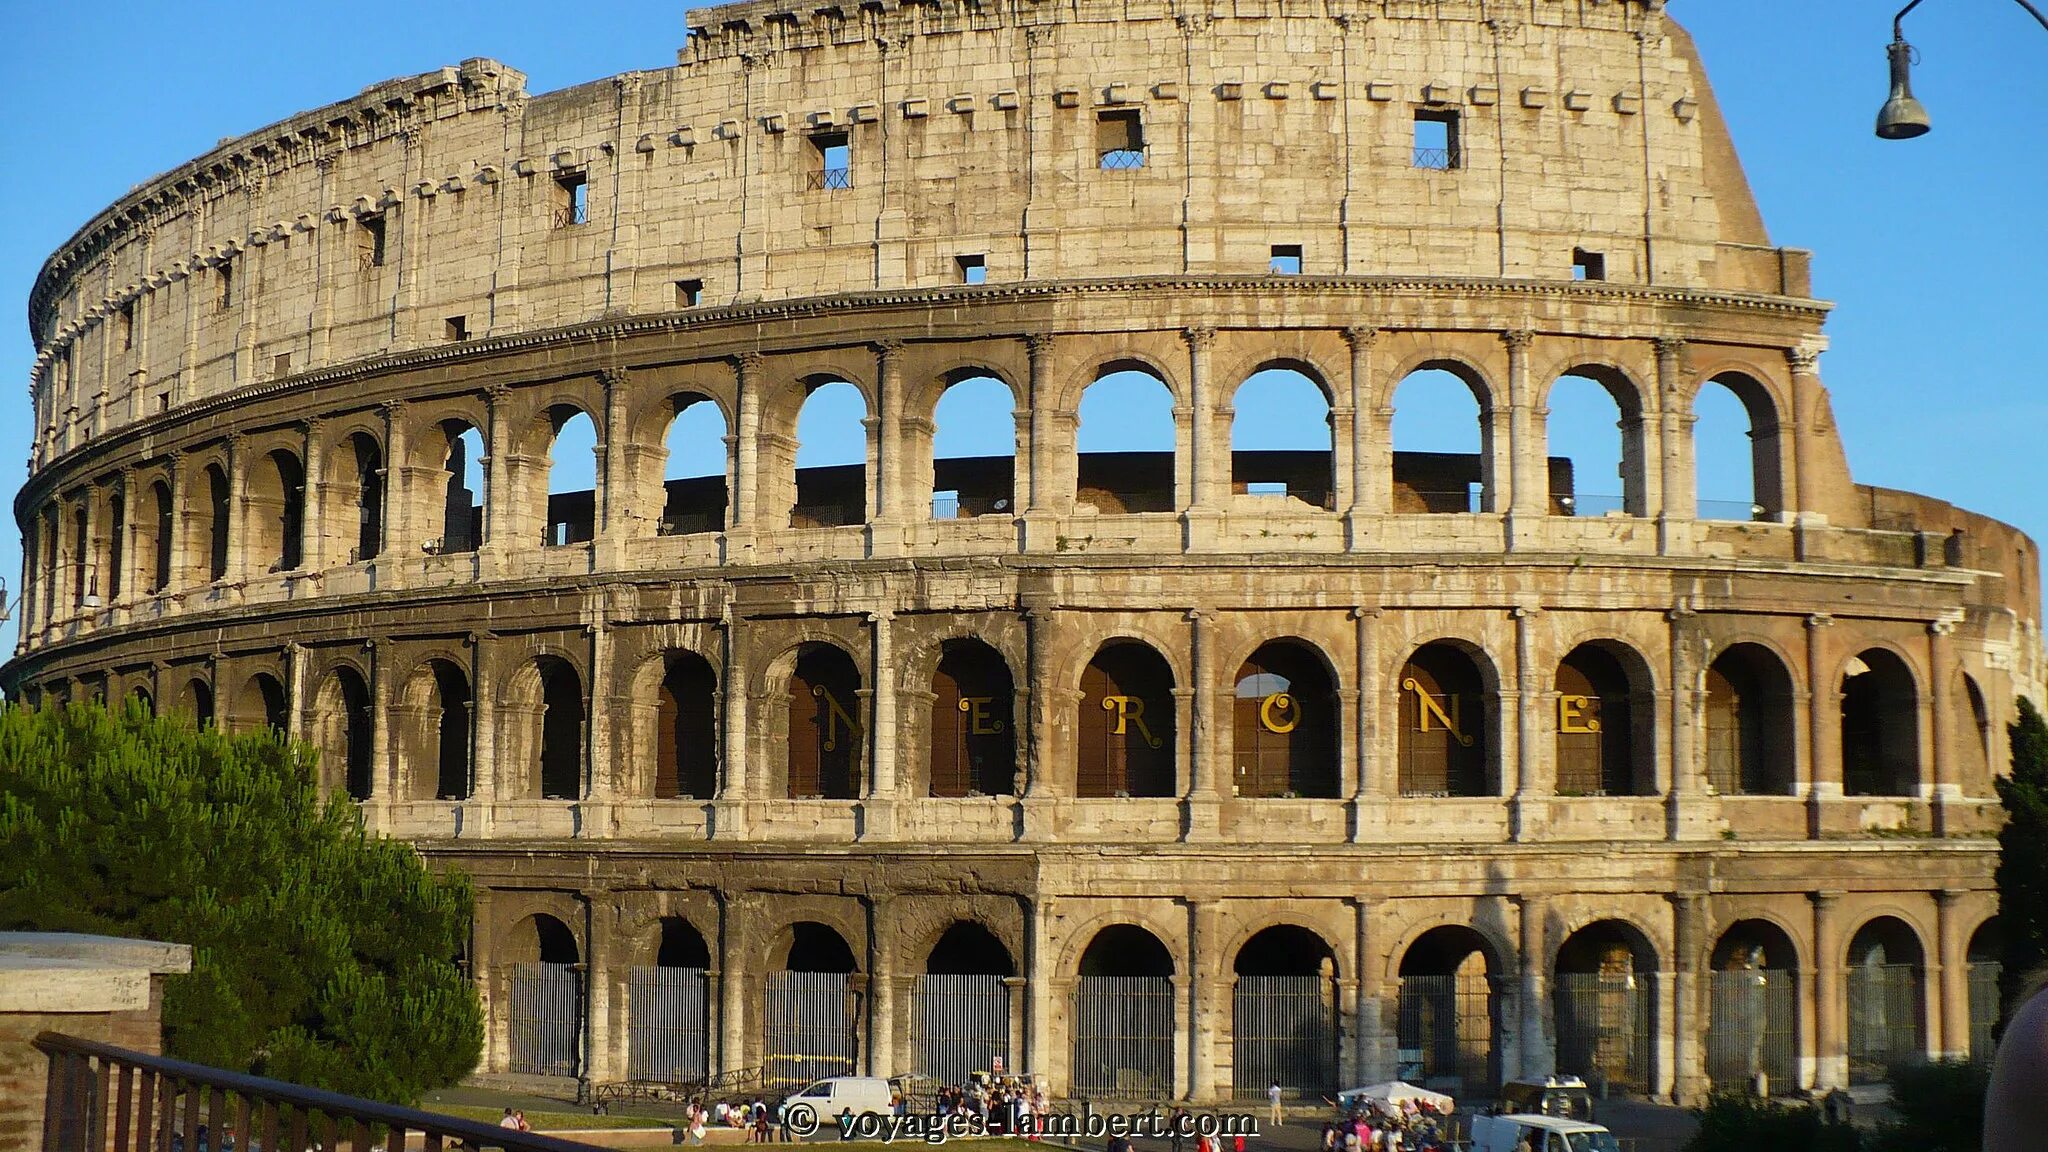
(435, 207)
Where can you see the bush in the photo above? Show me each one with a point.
(321, 955)
(1936, 1108)
(1736, 1122)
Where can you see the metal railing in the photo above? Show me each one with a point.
(831, 179)
(113, 1099)
(1123, 159)
(1440, 159)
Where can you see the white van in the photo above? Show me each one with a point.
(1526, 1133)
(838, 1094)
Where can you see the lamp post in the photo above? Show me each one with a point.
(1902, 116)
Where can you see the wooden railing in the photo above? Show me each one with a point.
(107, 1099)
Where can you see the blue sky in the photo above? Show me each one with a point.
(1935, 251)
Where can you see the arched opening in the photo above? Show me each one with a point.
(276, 501)
(448, 718)
(461, 517)
(961, 1011)
(974, 450)
(196, 701)
(825, 728)
(1123, 1017)
(1284, 723)
(546, 1010)
(117, 557)
(81, 556)
(1125, 737)
(973, 745)
(1284, 1014)
(831, 456)
(364, 497)
(1985, 961)
(1973, 730)
(163, 539)
(693, 478)
(1604, 998)
(686, 729)
(1443, 744)
(1749, 733)
(572, 477)
(346, 734)
(1125, 443)
(216, 523)
(1887, 1011)
(1753, 1009)
(260, 704)
(140, 700)
(1604, 719)
(560, 750)
(1449, 1015)
(813, 1008)
(1880, 726)
(1280, 437)
(1735, 450)
(668, 1009)
(1443, 442)
(1594, 434)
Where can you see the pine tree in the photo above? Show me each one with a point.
(2023, 856)
(321, 955)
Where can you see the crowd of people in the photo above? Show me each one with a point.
(1413, 1126)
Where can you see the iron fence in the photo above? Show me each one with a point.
(1123, 1037)
(546, 1016)
(1983, 976)
(1440, 159)
(1604, 1028)
(1123, 159)
(1285, 1030)
(1885, 1015)
(959, 1025)
(667, 1024)
(1753, 1027)
(1450, 1026)
(809, 1027)
(831, 179)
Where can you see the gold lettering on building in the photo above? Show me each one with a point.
(1279, 713)
(1132, 709)
(1427, 706)
(979, 722)
(1578, 714)
(835, 715)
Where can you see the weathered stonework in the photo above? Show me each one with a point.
(349, 284)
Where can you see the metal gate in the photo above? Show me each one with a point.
(959, 1024)
(1752, 1027)
(1884, 1019)
(1984, 976)
(1284, 1031)
(1450, 1030)
(1123, 1037)
(1604, 1028)
(667, 1025)
(809, 1020)
(547, 1014)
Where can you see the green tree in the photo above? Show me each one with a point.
(1936, 1107)
(2022, 875)
(1736, 1122)
(321, 955)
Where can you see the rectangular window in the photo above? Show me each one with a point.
(370, 242)
(1286, 260)
(457, 328)
(1436, 138)
(572, 200)
(128, 326)
(1120, 139)
(1588, 265)
(834, 161)
(227, 286)
(281, 364)
(1266, 488)
(689, 293)
(973, 269)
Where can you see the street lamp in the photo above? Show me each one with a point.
(1902, 116)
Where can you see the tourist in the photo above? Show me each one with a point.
(1273, 1098)
(508, 1120)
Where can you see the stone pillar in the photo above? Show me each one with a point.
(599, 713)
(1538, 1058)
(123, 585)
(312, 506)
(238, 512)
(1528, 462)
(483, 960)
(881, 1045)
(601, 1049)
(1208, 456)
(1951, 978)
(733, 978)
(1373, 776)
(1830, 1006)
(1804, 363)
(1675, 430)
(1687, 817)
(1204, 790)
(397, 542)
(743, 519)
(615, 480)
(1207, 981)
(729, 810)
(175, 480)
(887, 502)
(1183, 1033)
(295, 694)
(1941, 658)
(1371, 451)
(1823, 724)
(1038, 1006)
(1687, 1031)
(1366, 1041)
(1532, 785)
(1042, 501)
(499, 517)
(483, 718)
(879, 816)
(384, 778)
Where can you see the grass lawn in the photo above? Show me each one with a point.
(549, 1121)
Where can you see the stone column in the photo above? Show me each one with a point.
(1208, 457)
(729, 811)
(1804, 363)
(1538, 1058)
(1362, 1059)
(601, 1049)
(1373, 774)
(879, 816)
(1830, 1006)
(397, 542)
(1533, 784)
(615, 481)
(1824, 725)
(499, 516)
(1204, 791)
(384, 778)
(733, 978)
(295, 694)
(312, 507)
(599, 713)
(744, 516)
(483, 959)
(886, 507)
(1038, 1006)
(1941, 658)
(1688, 1021)
(881, 1045)
(483, 718)
(1686, 817)
(1528, 462)
(1041, 502)
(1675, 430)
(1206, 981)
(175, 479)
(123, 585)
(238, 512)
(1951, 978)
(1371, 456)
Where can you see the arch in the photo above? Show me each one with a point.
(1984, 968)
(1282, 442)
(1749, 723)
(680, 945)
(362, 493)
(217, 523)
(1595, 448)
(668, 1009)
(260, 703)
(1125, 442)
(1605, 722)
(1123, 1016)
(961, 1003)
(1125, 742)
(1284, 712)
(1753, 1007)
(1446, 733)
(571, 493)
(1449, 1008)
(438, 695)
(463, 489)
(1437, 469)
(139, 697)
(275, 500)
(829, 465)
(973, 450)
(1605, 1004)
(1887, 1000)
(547, 1004)
(813, 1005)
(686, 751)
(162, 539)
(117, 558)
(696, 462)
(1736, 481)
(1880, 719)
(196, 701)
(968, 948)
(826, 729)
(1973, 730)
(972, 750)
(1284, 1013)
(558, 754)
(344, 724)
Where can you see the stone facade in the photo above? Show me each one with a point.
(708, 713)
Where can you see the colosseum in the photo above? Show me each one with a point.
(1159, 773)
